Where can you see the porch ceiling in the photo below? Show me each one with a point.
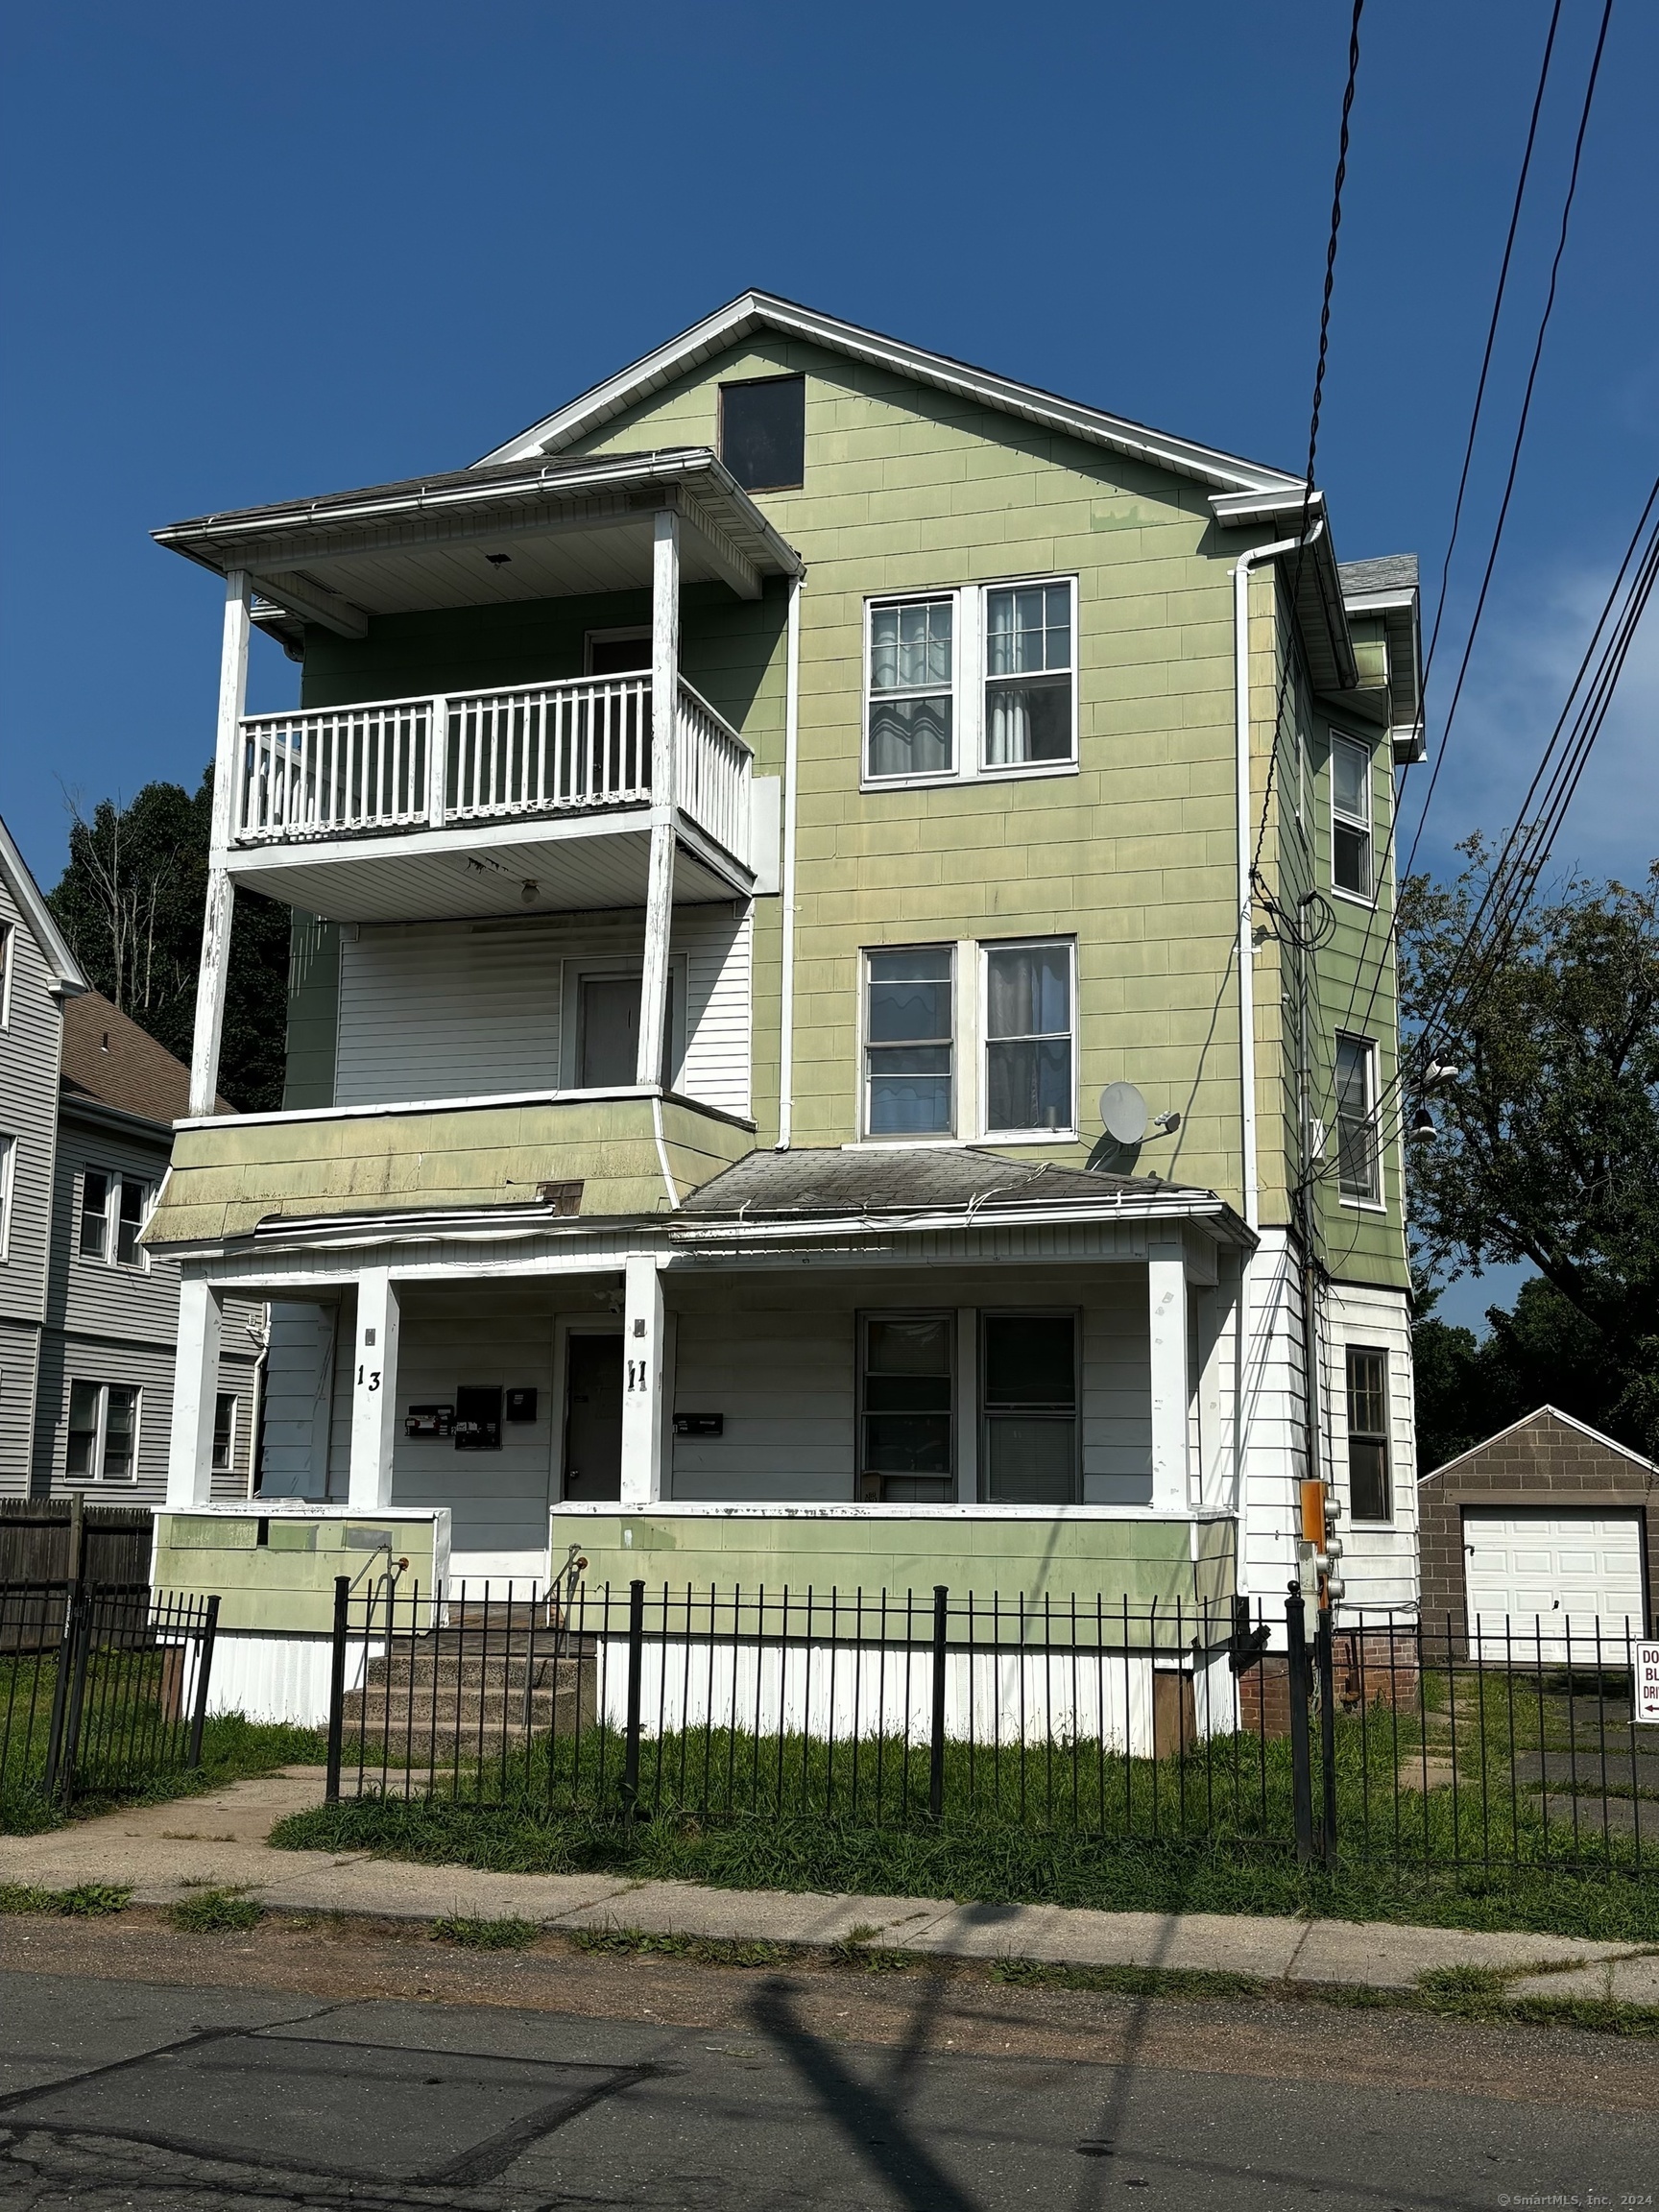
(588, 865)
(486, 536)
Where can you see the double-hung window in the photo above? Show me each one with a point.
(103, 1432)
(912, 688)
(1359, 1160)
(908, 1043)
(113, 1212)
(1369, 1489)
(1028, 1080)
(1030, 689)
(905, 1370)
(1029, 1407)
(7, 1177)
(1351, 860)
(981, 680)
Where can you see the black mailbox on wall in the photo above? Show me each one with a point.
(477, 1419)
(520, 1405)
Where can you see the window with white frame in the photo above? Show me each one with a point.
(7, 942)
(912, 709)
(103, 1433)
(1030, 695)
(909, 1044)
(906, 1364)
(1370, 1491)
(1358, 1154)
(981, 680)
(8, 1178)
(225, 1432)
(1028, 1023)
(113, 1210)
(1350, 861)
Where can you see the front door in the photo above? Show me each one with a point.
(593, 1417)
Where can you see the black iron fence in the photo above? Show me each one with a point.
(102, 1688)
(1232, 1725)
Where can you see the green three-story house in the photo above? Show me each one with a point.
(736, 832)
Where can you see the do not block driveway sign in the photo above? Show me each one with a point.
(1648, 1685)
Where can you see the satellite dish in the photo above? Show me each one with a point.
(1123, 1111)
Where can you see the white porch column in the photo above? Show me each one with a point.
(221, 892)
(195, 1388)
(664, 715)
(642, 1377)
(1166, 1310)
(373, 1391)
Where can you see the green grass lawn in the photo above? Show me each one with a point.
(1079, 1824)
(232, 1748)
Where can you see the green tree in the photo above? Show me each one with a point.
(1547, 1150)
(131, 903)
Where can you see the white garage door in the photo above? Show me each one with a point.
(1549, 1574)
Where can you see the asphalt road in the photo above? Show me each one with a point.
(541, 2082)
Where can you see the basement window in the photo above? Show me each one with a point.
(763, 432)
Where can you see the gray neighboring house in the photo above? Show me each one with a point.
(88, 1319)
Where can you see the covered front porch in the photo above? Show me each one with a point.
(1019, 1382)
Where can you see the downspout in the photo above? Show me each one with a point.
(1249, 1173)
(792, 760)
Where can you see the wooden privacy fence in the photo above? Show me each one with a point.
(67, 1540)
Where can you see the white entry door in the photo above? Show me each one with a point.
(1543, 1574)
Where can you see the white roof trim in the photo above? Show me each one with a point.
(1566, 1420)
(35, 912)
(765, 311)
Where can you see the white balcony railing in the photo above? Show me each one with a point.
(537, 750)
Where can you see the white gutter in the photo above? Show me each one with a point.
(1246, 950)
(791, 761)
(1251, 1177)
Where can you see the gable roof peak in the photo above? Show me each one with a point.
(757, 310)
(67, 978)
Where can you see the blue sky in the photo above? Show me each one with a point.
(250, 254)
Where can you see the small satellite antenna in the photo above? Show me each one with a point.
(1123, 1111)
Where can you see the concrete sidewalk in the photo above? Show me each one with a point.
(167, 1851)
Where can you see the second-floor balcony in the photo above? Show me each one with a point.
(572, 751)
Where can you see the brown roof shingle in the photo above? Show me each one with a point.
(109, 1058)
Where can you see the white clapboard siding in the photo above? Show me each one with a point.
(447, 1013)
(459, 1011)
(719, 969)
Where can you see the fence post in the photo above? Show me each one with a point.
(78, 1540)
(936, 1739)
(636, 1666)
(337, 1686)
(1325, 1661)
(1301, 1756)
(67, 1646)
(204, 1667)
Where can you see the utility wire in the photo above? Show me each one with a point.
(1498, 298)
(1330, 286)
(1514, 875)
(1391, 936)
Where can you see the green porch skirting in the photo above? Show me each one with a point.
(982, 1551)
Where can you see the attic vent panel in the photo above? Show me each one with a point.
(763, 432)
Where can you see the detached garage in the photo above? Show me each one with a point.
(1543, 1532)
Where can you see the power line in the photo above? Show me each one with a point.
(1498, 300)
(1337, 182)
(1391, 935)
(1514, 875)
